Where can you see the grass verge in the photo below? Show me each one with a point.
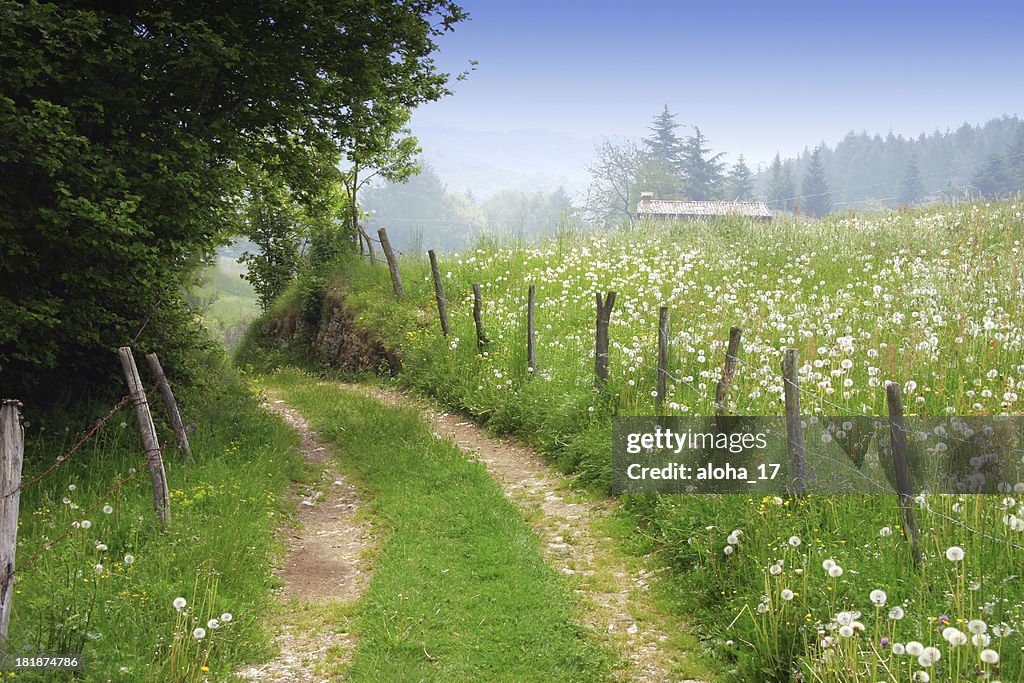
(107, 589)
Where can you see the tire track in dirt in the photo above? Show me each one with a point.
(614, 600)
(325, 567)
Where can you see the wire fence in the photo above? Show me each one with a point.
(67, 456)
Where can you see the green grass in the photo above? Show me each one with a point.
(932, 299)
(226, 301)
(460, 591)
(107, 591)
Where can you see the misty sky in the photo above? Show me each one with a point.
(755, 76)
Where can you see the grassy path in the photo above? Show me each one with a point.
(460, 591)
(583, 537)
(326, 570)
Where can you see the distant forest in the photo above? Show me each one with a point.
(985, 160)
(861, 172)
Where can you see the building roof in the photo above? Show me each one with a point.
(648, 206)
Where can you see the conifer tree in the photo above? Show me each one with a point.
(740, 183)
(911, 187)
(814, 188)
(703, 173)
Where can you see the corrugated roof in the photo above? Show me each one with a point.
(670, 207)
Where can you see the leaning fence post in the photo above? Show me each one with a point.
(12, 450)
(389, 254)
(442, 306)
(659, 400)
(604, 314)
(904, 481)
(169, 403)
(794, 426)
(728, 371)
(531, 329)
(154, 460)
(478, 317)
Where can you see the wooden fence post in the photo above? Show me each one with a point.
(154, 460)
(12, 450)
(389, 254)
(478, 317)
(604, 315)
(442, 306)
(794, 426)
(728, 371)
(169, 403)
(904, 481)
(659, 400)
(531, 330)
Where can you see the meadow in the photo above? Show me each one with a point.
(817, 588)
(226, 301)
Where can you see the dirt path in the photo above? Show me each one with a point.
(324, 572)
(612, 587)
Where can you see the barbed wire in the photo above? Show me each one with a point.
(77, 525)
(924, 504)
(850, 411)
(74, 449)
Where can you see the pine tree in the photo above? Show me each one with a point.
(1015, 161)
(741, 183)
(662, 150)
(781, 186)
(814, 188)
(702, 174)
(911, 187)
(993, 179)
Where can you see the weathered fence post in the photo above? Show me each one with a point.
(389, 254)
(904, 480)
(154, 460)
(12, 450)
(531, 330)
(478, 317)
(604, 315)
(169, 403)
(794, 425)
(442, 305)
(732, 353)
(659, 400)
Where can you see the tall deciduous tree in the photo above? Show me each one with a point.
(613, 192)
(814, 188)
(123, 127)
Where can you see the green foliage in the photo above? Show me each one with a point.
(911, 186)
(421, 209)
(272, 224)
(124, 129)
(661, 174)
(814, 188)
(863, 169)
(702, 171)
(740, 183)
(781, 186)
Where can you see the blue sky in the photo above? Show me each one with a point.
(755, 76)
